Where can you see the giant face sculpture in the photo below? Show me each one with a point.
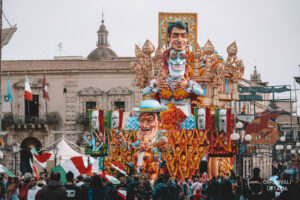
(148, 125)
(177, 62)
(178, 39)
(223, 120)
(201, 119)
(115, 119)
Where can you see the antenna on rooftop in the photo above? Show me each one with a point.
(60, 47)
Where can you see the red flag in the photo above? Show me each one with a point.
(27, 93)
(45, 89)
(42, 159)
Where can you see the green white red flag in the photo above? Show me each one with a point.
(41, 159)
(75, 165)
(6, 171)
(28, 93)
(34, 169)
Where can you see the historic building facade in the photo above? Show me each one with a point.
(75, 85)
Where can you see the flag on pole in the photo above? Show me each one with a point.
(34, 169)
(108, 177)
(41, 159)
(118, 167)
(122, 193)
(28, 93)
(6, 171)
(75, 165)
(45, 89)
(9, 91)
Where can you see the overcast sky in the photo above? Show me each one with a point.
(267, 32)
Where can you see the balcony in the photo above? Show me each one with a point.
(21, 123)
(83, 120)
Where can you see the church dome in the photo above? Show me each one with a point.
(103, 28)
(102, 50)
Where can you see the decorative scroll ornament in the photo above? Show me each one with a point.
(232, 51)
(144, 70)
(209, 49)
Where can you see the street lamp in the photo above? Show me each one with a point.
(282, 138)
(55, 152)
(248, 137)
(1, 155)
(235, 136)
(239, 125)
(16, 149)
(293, 151)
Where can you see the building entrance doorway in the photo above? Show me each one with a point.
(25, 153)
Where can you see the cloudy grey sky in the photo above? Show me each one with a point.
(267, 31)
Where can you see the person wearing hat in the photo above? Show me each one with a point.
(147, 137)
(149, 121)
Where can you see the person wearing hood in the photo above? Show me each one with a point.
(54, 190)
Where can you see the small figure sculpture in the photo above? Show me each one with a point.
(201, 118)
(115, 120)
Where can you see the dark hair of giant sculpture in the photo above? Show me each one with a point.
(179, 24)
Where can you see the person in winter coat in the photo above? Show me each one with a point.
(71, 189)
(25, 186)
(198, 195)
(54, 190)
(160, 190)
(84, 188)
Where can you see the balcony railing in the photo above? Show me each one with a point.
(83, 119)
(22, 122)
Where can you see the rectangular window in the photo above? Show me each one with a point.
(120, 104)
(32, 110)
(89, 105)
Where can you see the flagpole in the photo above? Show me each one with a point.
(46, 108)
(0, 64)
(10, 99)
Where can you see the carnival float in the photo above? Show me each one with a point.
(183, 117)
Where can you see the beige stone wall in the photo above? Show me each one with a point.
(81, 86)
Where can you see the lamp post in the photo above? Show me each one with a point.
(238, 139)
(1, 155)
(16, 149)
(55, 152)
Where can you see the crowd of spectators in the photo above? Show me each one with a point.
(139, 187)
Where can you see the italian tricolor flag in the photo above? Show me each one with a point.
(28, 93)
(34, 169)
(118, 167)
(6, 171)
(108, 177)
(41, 159)
(113, 180)
(75, 165)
